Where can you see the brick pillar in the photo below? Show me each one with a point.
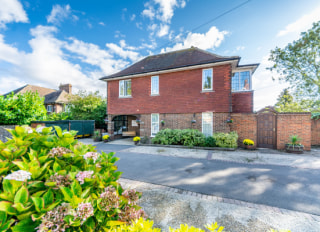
(110, 127)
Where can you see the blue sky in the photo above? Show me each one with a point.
(47, 43)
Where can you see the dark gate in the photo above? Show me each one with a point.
(267, 134)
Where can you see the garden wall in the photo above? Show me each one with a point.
(4, 133)
(289, 124)
(315, 132)
(246, 127)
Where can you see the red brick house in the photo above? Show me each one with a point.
(54, 100)
(189, 88)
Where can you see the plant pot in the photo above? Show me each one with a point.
(249, 147)
(297, 149)
(106, 140)
(136, 142)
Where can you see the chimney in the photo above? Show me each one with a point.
(66, 87)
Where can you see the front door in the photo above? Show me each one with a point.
(266, 120)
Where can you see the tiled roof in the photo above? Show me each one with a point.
(50, 95)
(171, 60)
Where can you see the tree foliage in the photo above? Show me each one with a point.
(88, 106)
(299, 64)
(21, 109)
(287, 103)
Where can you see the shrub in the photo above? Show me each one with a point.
(210, 142)
(228, 140)
(248, 142)
(186, 137)
(52, 182)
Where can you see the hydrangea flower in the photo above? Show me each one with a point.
(53, 220)
(131, 195)
(109, 199)
(92, 155)
(19, 176)
(84, 211)
(60, 180)
(28, 129)
(130, 214)
(85, 174)
(58, 151)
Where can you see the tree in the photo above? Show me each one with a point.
(21, 109)
(299, 64)
(88, 106)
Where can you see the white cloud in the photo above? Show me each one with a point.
(60, 13)
(149, 12)
(166, 10)
(139, 25)
(302, 24)
(11, 11)
(209, 40)
(132, 17)
(240, 48)
(125, 54)
(101, 23)
(53, 61)
(164, 30)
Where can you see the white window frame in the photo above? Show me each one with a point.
(153, 133)
(203, 79)
(250, 79)
(210, 114)
(124, 87)
(48, 108)
(154, 88)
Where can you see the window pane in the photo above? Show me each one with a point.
(235, 82)
(207, 79)
(121, 88)
(154, 124)
(155, 85)
(245, 80)
(128, 88)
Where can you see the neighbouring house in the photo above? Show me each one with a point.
(54, 100)
(189, 88)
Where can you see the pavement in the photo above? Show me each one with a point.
(241, 190)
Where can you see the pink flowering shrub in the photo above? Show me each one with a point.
(50, 182)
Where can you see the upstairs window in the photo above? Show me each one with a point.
(49, 108)
(207, 79)
(154, 85)
(241, 81)
(125, 88)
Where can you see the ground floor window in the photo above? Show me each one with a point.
(49, 108)
(207, 123)
(120, 124)
(154, 124)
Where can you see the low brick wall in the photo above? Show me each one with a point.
(315, 132)
(246, 127)
(294, 124)
(4, 133)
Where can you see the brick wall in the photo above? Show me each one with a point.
(242, 102)
(246, 127)
(179, 92)
(294, 124)
(4, 133)
(315, 132)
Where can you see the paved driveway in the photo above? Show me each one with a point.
(280, 186)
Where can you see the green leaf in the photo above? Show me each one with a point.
(7, 225)
(6, 196)
(3, 217)
(56, 167)
(86, 193)
(76, 188)
(115, 223)
(38, 203)
(48, 197)
(24, 216)
(23, 166)
(25, 225)
(22, 196)
(21, 208)
(6, 206)
(52, 206)
(67, 193)
(58, 130)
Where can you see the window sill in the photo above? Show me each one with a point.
(154, 95)
(125, 97)
(242, 91)
(207, 91)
